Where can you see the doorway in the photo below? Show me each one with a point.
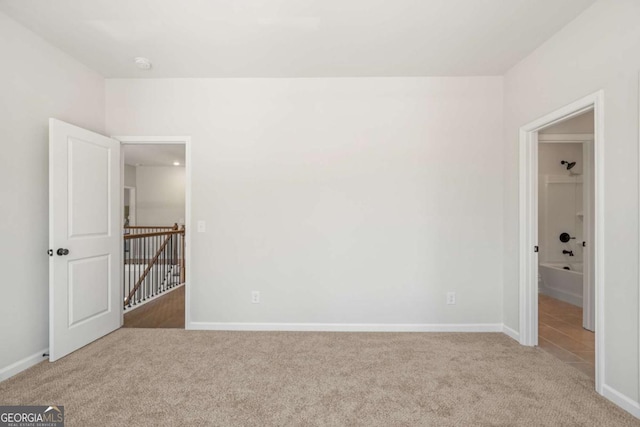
(565, 283)
(154, 239)
(86, 243)
(539, 244)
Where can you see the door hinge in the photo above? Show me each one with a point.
(50, 252)
(535, 249)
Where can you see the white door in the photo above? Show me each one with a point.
(84, 237)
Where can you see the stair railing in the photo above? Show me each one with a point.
(153, 261)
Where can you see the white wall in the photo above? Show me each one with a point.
(160, 195)
(560, 198)
(37, 81)
(598, 50)
(343, 201)
(580, 124)
(129, 176)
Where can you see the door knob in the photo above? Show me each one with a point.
(62, 251)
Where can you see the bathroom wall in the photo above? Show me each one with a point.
(560, 196)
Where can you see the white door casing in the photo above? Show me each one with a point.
(84, 218)
(186, 141)
(588, 212)
(528, 141)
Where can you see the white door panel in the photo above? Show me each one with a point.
(88, 189)
(84, 216)
(89, 280)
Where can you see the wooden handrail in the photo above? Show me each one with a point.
(148, 269)
(155, 233)
(168, 227)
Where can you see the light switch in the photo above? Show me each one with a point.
(202, 226)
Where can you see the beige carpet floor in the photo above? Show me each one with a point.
(168, 377)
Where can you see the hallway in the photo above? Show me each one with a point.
(164, 312)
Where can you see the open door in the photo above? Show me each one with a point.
(84, 237)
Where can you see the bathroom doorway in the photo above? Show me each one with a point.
(531, 136)
(566, 315)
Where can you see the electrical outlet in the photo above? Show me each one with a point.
(255, 297)
(202, 226)
(451, 298)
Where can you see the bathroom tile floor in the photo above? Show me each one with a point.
(560, 333)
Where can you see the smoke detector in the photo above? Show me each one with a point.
(143, 63)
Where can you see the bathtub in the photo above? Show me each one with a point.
(565, 285)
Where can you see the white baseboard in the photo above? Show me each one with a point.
(141, 303)
(512, 333)
(21, 365)
(347, 327)
(626, 403)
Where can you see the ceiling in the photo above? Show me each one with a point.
(153, 154)
(296, 38)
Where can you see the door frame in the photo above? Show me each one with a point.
(528, 227)
(156, 140)
(586, 140)
(132, 203)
